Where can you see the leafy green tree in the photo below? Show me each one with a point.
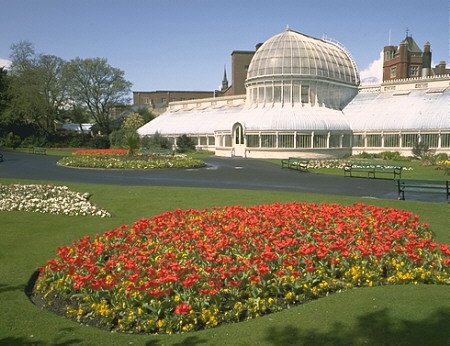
(146, 114)
(130, 125)
(4, 95)
(98, 87)
(37, 87)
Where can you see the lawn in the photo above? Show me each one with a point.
(392, 314)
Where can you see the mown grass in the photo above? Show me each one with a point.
(389, 315)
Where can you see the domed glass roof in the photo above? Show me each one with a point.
(297, 55)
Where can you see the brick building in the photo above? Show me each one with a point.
(407, 60)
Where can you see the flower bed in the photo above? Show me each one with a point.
(47, 199)
(131, 162)
(195, 269)
(340, 164)
(103, 152)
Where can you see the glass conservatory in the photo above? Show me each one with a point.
(303, 99)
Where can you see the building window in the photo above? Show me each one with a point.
(286, 93)
(445, 140)
(346, 141)
(227, 140)
(303, 141)
(285, 141)
(268, 141)
(374, 141)
(391, 141)
(335, 141)
(394, 72)
(253, 141)
(163, 99)
(146, 100)
(320, 141)
(277, 94)
(203, 141)
(432, 140)
(413, 71)
(358, 141)
(269, 94)
(305, 94)
(408, 139)
(211, 140)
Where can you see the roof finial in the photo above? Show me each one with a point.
(288, 28)
(407, 32)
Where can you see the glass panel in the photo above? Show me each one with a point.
(305, 93)
(346, 141)
(227, 140)
(268, 141)
(429, 139)
(285, 141)
(211, 140)
(374, 140)
(391, 141)
(303, 141)
(286, 93)
(277, 93)
(445, 140)
(296, 93)
(320, 141)
(261, 94)
(203, 141)
(408, 139)
(269, 94)
(253, 141)
(335, 141)
(358, 141)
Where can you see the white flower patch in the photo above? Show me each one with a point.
(47, 199)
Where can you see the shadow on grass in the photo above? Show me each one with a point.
(372, 329)
(8, 288)
(60, 339)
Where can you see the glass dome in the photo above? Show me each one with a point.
(294, 54)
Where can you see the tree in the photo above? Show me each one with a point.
(98, 87)
(37, 87)
(146, 114)
(185, 143)
(4, 96)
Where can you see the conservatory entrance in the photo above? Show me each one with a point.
(238, 140)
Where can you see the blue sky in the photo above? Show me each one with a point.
(184, 44)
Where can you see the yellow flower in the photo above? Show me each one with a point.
(289, 296)
(160, 323)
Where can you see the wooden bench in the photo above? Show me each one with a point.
(372, 170)
(435, 186)
(295, 163)
(39, 150)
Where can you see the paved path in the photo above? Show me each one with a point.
(232, 173)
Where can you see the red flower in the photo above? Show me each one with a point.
(182, 309)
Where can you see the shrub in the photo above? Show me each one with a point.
(185, 143)
(155, 141)
(391, 155)
(100, 142)
(420, 149)
(116, 138)
(12, 140)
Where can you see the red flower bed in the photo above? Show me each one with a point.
(194, 269)
(100, 152)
